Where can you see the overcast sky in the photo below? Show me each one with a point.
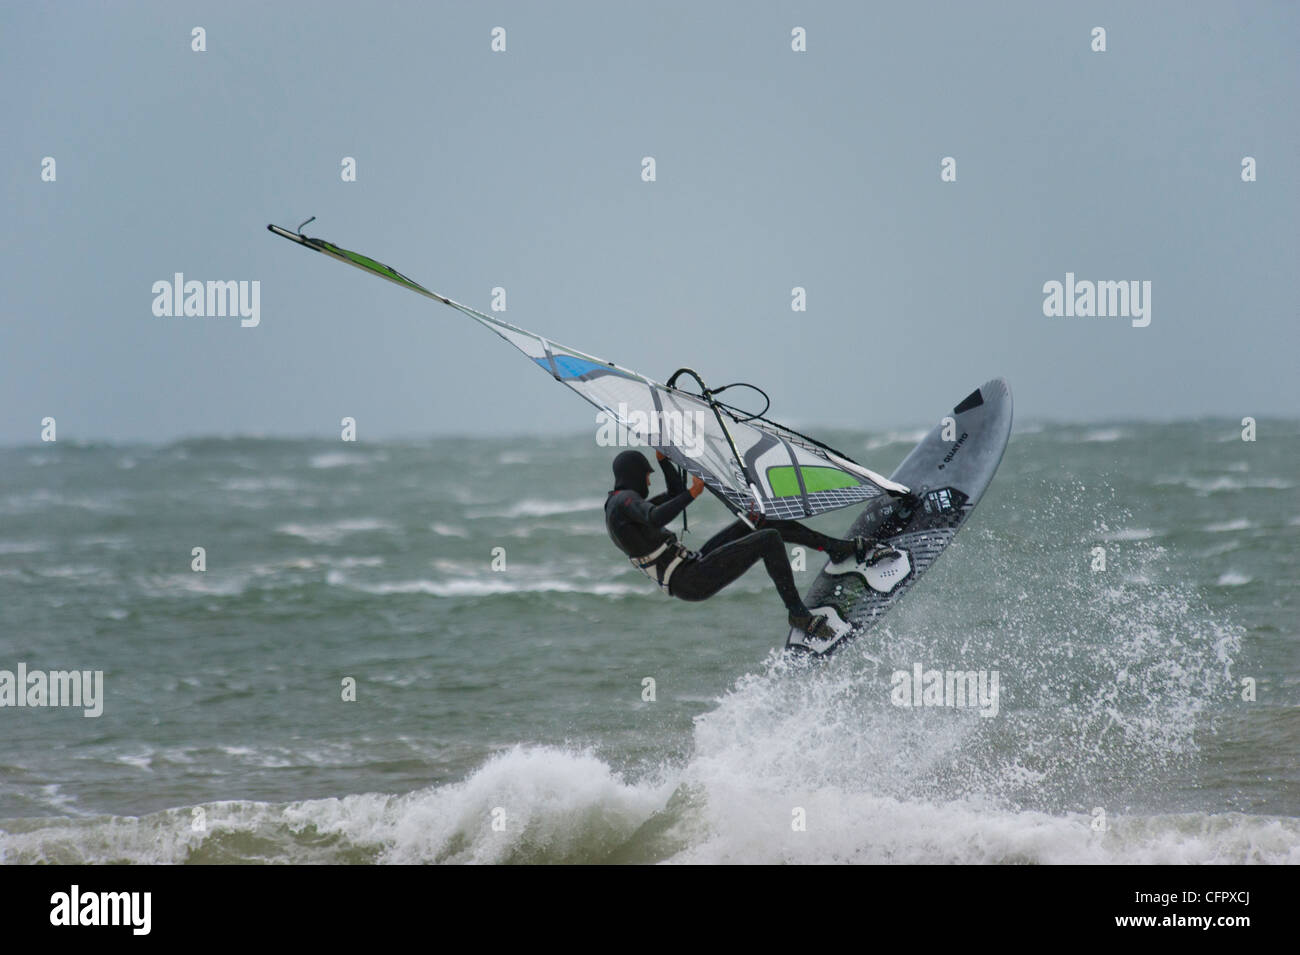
(523, 169)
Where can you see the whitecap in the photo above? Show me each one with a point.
(1240, 524)
(1232, 579)
(448, 530)
(895, 437)
(23, 546)
(530, 507)
(483, 587)
(259, 484)
(1102, 435)
(1129, 534)
(334, 531)
(342, 459)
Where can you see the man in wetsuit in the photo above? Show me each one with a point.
(637, 524)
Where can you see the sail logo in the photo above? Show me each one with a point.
(633, 427)
(947, 459)
(194, 299)
(74, 907)
(964, 688)
(1088, 299)
(83, 688)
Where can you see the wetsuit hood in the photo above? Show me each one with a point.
(630, 470)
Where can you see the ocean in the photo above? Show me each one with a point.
(429, 651)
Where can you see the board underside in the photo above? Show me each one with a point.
(950, 477)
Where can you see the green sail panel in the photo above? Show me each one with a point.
(784, 481)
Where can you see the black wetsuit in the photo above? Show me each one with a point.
(635, 523)
(637, 526)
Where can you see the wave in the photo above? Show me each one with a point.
(1101, 435)
(448, 530)
(259, 485)
(484, 587)
(1240, 524)
(908, 438)
(42, 498)
(536, 804)
(343, 459)
(23, 546)
(334, 531)
(191, 583)
(1129, 534)
(1219, 484)
(530, 507)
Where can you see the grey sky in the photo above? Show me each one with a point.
(522, 169)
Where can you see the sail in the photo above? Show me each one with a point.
(753, 466)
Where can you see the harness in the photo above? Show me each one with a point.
(660, 563)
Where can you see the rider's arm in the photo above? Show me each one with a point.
(672, 475)
(661, 514)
